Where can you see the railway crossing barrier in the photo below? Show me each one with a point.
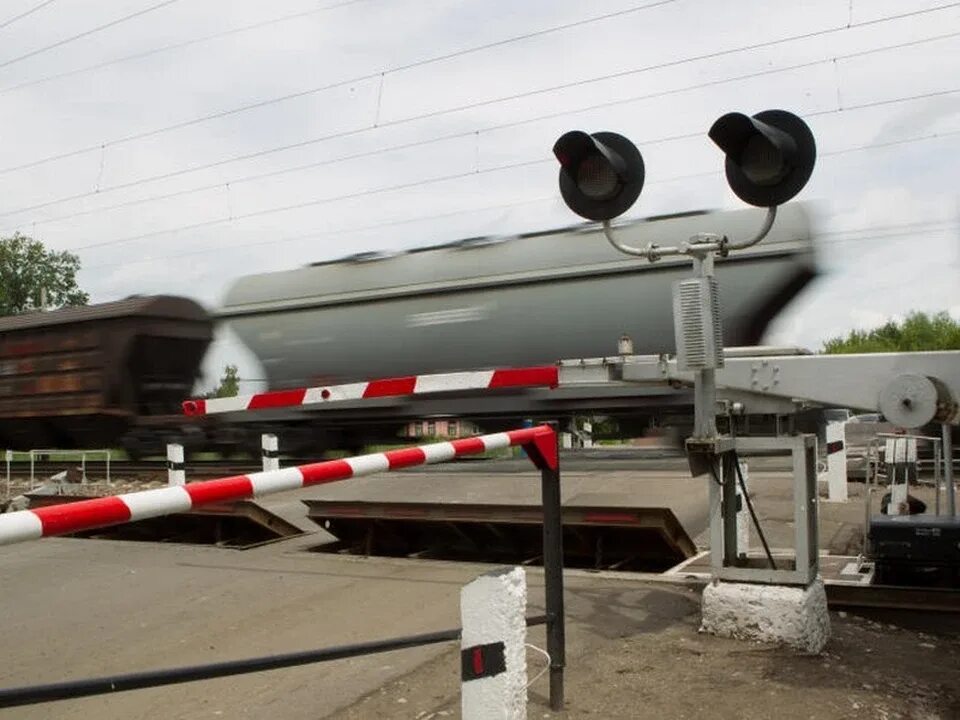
(540, 376)
(539, 444)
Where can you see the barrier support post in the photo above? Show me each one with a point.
(493, 664)
(553, 575)
(175, 467)
(269, 451)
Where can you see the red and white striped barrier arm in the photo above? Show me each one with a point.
(95, 513)
(544, 376)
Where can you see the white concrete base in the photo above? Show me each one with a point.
(493, 609)
(782, 614)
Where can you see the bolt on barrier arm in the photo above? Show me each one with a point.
(540, 443)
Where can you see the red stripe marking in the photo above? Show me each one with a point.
(82, 515)
(392, 386)
(222, 490)
(195, 407)
(277, 398)
(548, 375)
(540, 443)
(619, 518)
(405, 457)
(468, 446)
(478, 661)
(325, 472)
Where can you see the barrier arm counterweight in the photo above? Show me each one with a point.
(540, 443)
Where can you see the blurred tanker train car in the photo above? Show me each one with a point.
(500, 302)
(114, 374)
(489, 302)
(97, 376)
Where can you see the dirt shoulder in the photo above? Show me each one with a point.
(634, 651)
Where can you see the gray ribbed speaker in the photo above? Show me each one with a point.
(696, 324)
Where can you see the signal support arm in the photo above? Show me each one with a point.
(911, 389)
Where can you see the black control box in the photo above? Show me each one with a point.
(921, 550)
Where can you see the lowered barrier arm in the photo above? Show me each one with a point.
(540, 444)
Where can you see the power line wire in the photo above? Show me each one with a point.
(309, 203)
(459, 135)
(888, 230)
(370, 76)
(178, 45)
(87, 33)
(390, 188)
(25, 13)
(344, 158)
(322, 233)
(310, 91)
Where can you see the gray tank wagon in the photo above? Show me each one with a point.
(489, 302)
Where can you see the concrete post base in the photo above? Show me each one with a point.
(787, 615)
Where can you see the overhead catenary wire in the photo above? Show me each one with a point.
(312, 234)
(390, 188)
(99, 191)
(313, 90)
(178, 45)
(88, 33)
(310, 203)
(97, 147)
(25, 13)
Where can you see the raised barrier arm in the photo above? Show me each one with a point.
(542, 376)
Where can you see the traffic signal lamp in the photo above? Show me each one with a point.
(770, 156)
(601, 174)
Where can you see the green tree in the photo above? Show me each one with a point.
(919, 332)
(229, 384)
(31, 275)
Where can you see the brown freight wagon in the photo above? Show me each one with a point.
(81, 377)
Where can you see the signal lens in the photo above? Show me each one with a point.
(596, 178)
(762, 162)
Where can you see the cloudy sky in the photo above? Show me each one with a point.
(175, 145)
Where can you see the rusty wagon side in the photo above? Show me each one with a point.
(80, 377)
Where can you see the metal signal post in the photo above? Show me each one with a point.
(769, 159)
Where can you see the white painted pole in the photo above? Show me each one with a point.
(176, 474)
(896, 469)
(493, 646)
(948, 469)
(743, 516)
(836, 474)
(269, 449)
